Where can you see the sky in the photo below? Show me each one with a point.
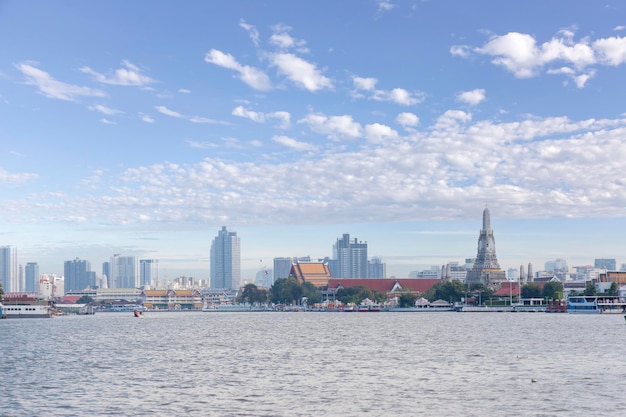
(142, 128)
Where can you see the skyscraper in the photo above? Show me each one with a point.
(78, 275)
(148, 272)
(106, 275)
(225, 269)
(282, 267)
(349, 258)
(376, 268)
(123, 272)
(32, 277)
(9, 270)
(486, 268)
(605, 263)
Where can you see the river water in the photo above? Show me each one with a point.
(314, 364)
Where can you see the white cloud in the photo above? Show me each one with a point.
(252, 31)
(200, 145)
(407, 119)
(146, 118)
(253, 77)
(385, 5)
(520, 54)
(611, 51)
(8, 178)
(300, 72)
(367, 84)
(619, 28)
(335, 127)
(52, 88)
(283, 40)
(104, 110)
(193, 119)
(129, 75)
(378, 133)
(107, 121)
(396, 95)
(164, 110)
(293, 144)
(283, 118)
(537, 167)
(184, 91)
(472, 97)
(460, 50)
(240, 111)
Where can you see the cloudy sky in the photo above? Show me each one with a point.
(142, 127)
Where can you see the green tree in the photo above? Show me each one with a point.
(248, 295)
(357, 294)
(590, 289)
(614, 289)
(85, 299)
(286, 290)
(407, 299)
(448, 291)
(480, 292)
(553, 290)
(531, 291)
(312, 293)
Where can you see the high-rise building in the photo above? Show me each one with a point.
(148, 272)
(349, 258)
(32, 277)
(282, 267)
(558, 265)
(376, 268)
(77, 275)
(605, 263)
(123, 272)
(106, 274)
(486, 268)
(225, 269)
(9, 270)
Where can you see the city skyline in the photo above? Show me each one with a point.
(140, 129)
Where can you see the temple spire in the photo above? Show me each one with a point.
(486, 219)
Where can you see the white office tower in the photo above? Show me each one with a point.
(9, 269)
(123, 272)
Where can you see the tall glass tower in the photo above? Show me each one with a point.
(225, 260)
(9, 270)
(32, 277)
(349, 258)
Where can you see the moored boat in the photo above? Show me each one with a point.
(595, 304)
(26, 306)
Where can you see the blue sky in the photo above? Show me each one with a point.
(143, 127)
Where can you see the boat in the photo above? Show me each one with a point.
(226, 307)
(363, 307)
(27, 311)
(349, 308)
(595, 304)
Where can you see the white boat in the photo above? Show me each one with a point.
(227, 307)
(27, 311)
(595, 304)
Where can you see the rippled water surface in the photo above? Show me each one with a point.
(322, 364)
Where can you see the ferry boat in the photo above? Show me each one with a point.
(595, 304)
(226, 307)
(26, 311)
(26, 305)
